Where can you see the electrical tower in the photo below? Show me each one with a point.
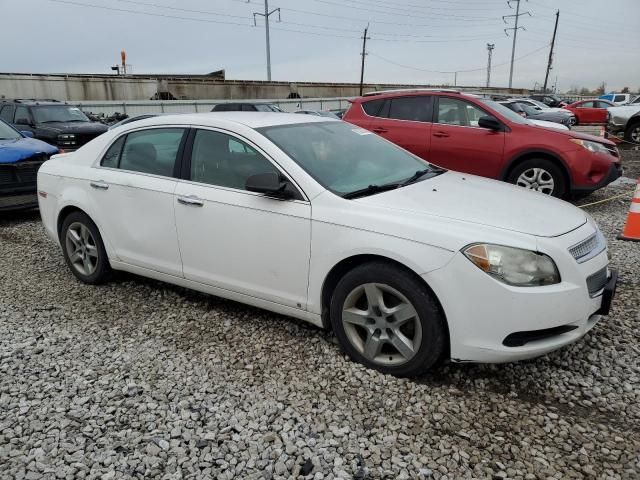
(515, 33)
(266, 16)
(490, 47)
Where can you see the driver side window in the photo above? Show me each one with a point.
(222, 160)
(452, 111)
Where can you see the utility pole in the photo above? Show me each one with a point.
(364, 53)
(515, 33)
(266, 16)
(490, 47)
(553, 41)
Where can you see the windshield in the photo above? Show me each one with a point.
(505, 112)
(539, 104)
(58, 113)
(345, 158)
(8, 133)
(529, 110)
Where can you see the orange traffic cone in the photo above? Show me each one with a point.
(632, 227)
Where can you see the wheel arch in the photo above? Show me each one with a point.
(64, 213)
(547, 155)
(347, 264)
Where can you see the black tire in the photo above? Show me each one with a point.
(102, 271)
(633, 129)
(432, 323)
(551, 169)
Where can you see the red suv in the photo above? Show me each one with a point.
(479, 136)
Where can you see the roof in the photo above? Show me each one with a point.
(33, 101)
(407, 91)
(249, 119)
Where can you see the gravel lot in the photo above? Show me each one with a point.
(141, 379)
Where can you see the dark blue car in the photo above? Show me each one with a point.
(20, 159)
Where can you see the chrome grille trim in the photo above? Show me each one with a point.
(589, 247)
(597, 281)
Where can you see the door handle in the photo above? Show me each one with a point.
(191, 201)
(99, 185)
(440, 134)
(380, 130)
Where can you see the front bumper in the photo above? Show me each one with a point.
(484, 315)
(615, 172)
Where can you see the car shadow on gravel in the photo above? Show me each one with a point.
(18, 216)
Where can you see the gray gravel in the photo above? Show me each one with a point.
(141, 379)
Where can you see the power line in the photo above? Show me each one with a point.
(533, 52)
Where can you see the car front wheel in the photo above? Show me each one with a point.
(386, 319)
(541, 175)
(83, 249)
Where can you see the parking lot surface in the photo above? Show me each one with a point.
(141, 379)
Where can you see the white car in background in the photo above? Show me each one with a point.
(322, 220)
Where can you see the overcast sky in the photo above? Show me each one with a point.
(319, 40)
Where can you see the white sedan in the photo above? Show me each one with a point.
(318, 219)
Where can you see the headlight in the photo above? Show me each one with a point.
(594, 147)
(514, 266)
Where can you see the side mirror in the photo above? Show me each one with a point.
(489, 122)
(270, 184)
(27, 133)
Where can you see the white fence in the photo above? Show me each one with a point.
(132, 108)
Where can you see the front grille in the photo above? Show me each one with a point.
(597, 281)
(82, 138)
(7, 174)
(27, 172)
(21, 172)
(588, 248)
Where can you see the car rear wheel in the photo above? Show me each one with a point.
(83, 249)
(632, 133)
(541, 175)
(388, 320)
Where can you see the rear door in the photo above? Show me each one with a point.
(601, 112)
(587, 113)
(406, 121)
(458, 143)
(134, 185)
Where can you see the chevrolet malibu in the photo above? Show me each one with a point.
(321, 220)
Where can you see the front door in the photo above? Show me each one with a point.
(238, 240)
(587, 113)
(134, 187)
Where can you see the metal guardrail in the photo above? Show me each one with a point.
(140, 107)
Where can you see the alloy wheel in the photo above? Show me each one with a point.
(635, 134)
(81, 248)
(537, 179)
(381, 324)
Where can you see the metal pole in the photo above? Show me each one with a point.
(364, 52)
(553, 41)
(266, 24)
(455, 79)
(490, 47)
(513, 47)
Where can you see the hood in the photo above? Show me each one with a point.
(12, 151)
(481, 201)
(95, 128)
(547, 124)
(553, 116)
(624, 109)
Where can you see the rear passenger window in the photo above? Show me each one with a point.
(372, 107)
(587, 105)
(418, 109)
(6, 113)
(219, 159)
(112, 157)
(152, 151)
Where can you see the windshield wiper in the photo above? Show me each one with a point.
(415, 177)
(370, 190)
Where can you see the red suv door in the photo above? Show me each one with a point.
(405, 121)
(458, 143)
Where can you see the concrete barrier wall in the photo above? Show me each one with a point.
(75, 87)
